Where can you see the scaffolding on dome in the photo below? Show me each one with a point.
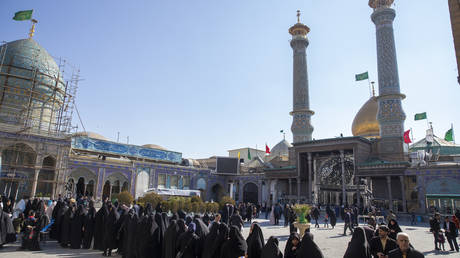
(34, 98)
(37, 99)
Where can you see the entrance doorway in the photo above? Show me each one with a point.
(250, 193)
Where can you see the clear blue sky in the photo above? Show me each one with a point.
(203, 77)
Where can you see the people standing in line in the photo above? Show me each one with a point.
(382, 244)
(348, 222)
(450, 230)
(404, 249)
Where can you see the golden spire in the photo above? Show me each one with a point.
(32, 30)
(299, 29)
(298, 16)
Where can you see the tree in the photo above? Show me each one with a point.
(152, 198)
(226, 199)
(124, 198)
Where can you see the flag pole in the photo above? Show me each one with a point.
(412, 134)
(369, 82)
(452, 128)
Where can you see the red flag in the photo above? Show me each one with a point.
(407, 137)
(267, 150)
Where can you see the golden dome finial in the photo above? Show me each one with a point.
(298, 16)
(373, 89)
(32, 29)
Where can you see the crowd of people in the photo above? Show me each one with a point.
(138, 231)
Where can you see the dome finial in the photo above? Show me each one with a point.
(298, 16)
(373, 89)
(32, 30)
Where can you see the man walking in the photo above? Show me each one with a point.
(435, 226)
(404, 250)
(451, 233)
(348, 221)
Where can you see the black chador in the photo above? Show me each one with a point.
(111, 230)
(65, 225)
(76, 226)
(308, 248)
(255, 241)
(220, 239)
(187, 242)
(56, 216)
(88, 226)
(208, 251)
(145, 236)
(170, 240)
(99, 227)
(235, 246)
(129, 237)
(271, 249)
(201, 231)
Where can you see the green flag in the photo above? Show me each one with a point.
(23, 15)
(449, 135)
(362, 76)
(249, 154)
(420, 116)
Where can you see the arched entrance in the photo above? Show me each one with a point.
(124, 187)
(250, 193)
(80, 191)
(106, 190)
(330, 178)
(142, 183)
(217, 192)
(90, 188)
(201, 185)
(17, 170)
(116, 187)
(45, 182)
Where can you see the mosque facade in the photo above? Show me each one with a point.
(41, 157)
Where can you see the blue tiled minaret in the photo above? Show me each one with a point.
(390, 112)
(301, 125)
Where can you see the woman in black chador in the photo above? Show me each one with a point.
(394, 228)
(111, 230)
(187, 243)
(222, 236)
(129, 234)
(201, 231)
(235, 246)
(88, 225)
(76, 226)
(145, 234)
(359, 247)
(255, 241)
(65, 225)
(99, 227)
(169, 240)
(292, 246)
(271, 249)
(208, 251)
(308, 248)
(31, 233)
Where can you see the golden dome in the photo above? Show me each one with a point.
(92, 135)
(365, 123)
(154, 146)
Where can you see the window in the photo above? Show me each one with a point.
(161, 181)
(174, 182)
(201, 184)
(186, 182)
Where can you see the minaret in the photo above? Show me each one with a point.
(390, 113)
(301, 125)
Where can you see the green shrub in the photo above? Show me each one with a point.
(225, 200)
(123, 198)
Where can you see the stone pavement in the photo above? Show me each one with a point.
(331, 242)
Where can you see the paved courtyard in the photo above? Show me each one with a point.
(331, 242)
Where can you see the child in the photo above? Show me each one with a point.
(326, 221)
(442, 239)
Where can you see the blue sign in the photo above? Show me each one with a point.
(86, 143)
